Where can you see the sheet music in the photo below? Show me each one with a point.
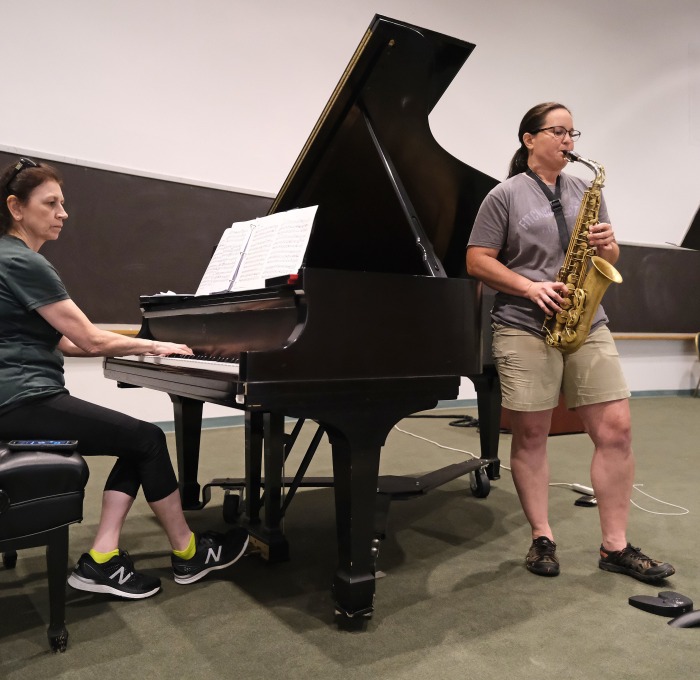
(227, 257)
(276, 247)
(251, 252)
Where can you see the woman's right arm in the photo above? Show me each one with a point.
(82, 338)
(483, 264)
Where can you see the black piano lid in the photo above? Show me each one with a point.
(692, 236)
(390, 198)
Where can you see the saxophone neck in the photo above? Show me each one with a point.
(597, 168)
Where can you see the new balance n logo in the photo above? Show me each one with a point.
(122, 575)
(216, 556)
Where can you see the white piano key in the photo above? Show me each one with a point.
(201, 363)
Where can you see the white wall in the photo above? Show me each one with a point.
(225, 93)
(657, 366)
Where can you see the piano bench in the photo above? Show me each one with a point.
(41, 494)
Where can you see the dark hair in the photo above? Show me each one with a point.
(532, 120)
(22, 185)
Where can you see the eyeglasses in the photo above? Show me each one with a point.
(22, 163)
(560, 132)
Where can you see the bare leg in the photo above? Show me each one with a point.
(612, 468)
(115, 507)
(168, 510)
(530, 467)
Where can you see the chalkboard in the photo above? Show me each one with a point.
(659, 291)
(127, 236)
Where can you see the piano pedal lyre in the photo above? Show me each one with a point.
(232, 506)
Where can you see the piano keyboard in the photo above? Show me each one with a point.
(219, 364)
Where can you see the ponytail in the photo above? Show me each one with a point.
(518, 163)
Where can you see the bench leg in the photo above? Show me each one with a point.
(56, 564)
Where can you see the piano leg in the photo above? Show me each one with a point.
(253, 466)
(265, 436)
(488, 399)
(357, 434)
(188, 428)
(355, 471)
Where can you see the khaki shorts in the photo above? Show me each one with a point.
(533, 374)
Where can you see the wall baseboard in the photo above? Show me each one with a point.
(238, 421)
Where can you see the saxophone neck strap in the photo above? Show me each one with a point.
(557, 208)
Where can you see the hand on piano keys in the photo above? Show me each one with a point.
(161, 349)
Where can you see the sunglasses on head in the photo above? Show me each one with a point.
(22, 163)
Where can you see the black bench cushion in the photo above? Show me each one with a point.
(39, 491)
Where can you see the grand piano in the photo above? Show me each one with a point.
(380, 322)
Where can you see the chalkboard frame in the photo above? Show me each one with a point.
(128, 235)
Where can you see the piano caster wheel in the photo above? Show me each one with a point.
(353, 623)
(479, 483)
(58, 639)
(231, 507)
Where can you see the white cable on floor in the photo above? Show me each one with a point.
(440, 446)
(575, 487)
(680, 507)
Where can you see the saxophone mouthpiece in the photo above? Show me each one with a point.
(571, 156)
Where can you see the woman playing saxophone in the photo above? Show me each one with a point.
(517, 247)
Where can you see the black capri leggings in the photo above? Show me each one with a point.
(140, 447)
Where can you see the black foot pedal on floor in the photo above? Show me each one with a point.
(667, 603)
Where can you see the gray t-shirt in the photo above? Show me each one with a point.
(31, 366)
(517, 220)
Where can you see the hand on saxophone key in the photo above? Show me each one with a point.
(550, 296)
(601, 237)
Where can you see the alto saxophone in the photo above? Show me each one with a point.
(586, 275)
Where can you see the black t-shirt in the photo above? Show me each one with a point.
(31, 366)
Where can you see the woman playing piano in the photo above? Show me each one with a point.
(515, 248)
(39, 324)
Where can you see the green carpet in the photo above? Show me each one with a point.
(456, 601)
